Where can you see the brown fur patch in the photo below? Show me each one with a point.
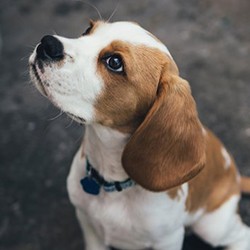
(215, 184)
(127, 97)
(168, 147)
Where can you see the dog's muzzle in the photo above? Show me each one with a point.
(50, 49)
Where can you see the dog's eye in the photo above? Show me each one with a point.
(87, 31)
(114, 63)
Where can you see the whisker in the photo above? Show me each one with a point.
(114, 11)
(92, 6)
(79, 137)
(54, 32)
(57, 116)
(30, 46)
(70, 123)
(25, 73)
(24, 57)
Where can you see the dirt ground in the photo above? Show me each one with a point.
(210, 41)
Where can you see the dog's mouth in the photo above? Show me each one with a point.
(35, 68)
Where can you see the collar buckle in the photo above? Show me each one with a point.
(93, 182)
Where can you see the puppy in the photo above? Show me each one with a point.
(147, 167)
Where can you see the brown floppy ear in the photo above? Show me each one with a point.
(168, 148)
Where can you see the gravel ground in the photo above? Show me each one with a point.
(210, 43)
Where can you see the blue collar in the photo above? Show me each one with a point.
(93, 182)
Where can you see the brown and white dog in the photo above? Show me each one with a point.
(147, 167)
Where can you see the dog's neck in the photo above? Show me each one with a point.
(104, 147)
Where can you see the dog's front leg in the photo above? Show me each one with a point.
(92, 241)
(172, 241)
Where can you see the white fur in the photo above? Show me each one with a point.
(104, 150)
(109, 32)
(223, 227)
(227, 158)
(74, 84)
(191, 218)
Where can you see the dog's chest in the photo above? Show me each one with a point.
(134, 219)
(131, 219)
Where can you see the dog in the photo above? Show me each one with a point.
(147, 167)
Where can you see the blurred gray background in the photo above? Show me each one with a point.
(210, 42)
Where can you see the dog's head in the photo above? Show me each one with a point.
(121, 76)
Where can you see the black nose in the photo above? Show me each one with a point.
(50, 48)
